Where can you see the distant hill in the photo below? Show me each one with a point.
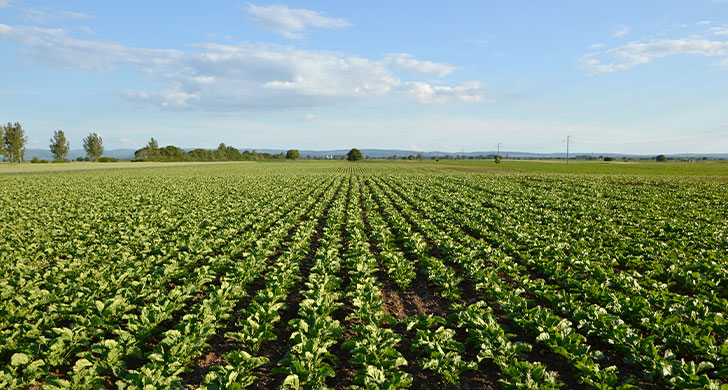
(45, 154)
(128, 154)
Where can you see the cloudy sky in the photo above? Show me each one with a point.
(618, 76)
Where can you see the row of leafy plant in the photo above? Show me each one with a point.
(309, 361)
(570, 346)
(672, 333)
(139, 299)
(259, 322)
(374, 347)
(675, 371)
(189, 338)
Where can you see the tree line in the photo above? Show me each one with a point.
(13, 141)
(153, 152)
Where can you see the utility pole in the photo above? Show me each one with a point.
(568, 140)
(498, 146)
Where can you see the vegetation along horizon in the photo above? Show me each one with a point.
(363, 274)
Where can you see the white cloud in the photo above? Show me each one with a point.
(36, 15)
(621, 31)
(718, 30)
(170, 100)
(595, 46)
(127, 141)
(44, 15)
(409, 63)
(475, 41)
(702, 22)
(303, 118)
(230, 78)
(54, 47)
(86, 30)
(636, 53)
(428, 94)
(4, 3)
(290, 22)
(76, 15)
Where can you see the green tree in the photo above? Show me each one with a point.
(59, 145)
(354, 155)
(172, 153)
(94, 146)
(661, 158)
(2, 142)
(152, 149)
(293, 154)
(14, 141)
(149, 152)
(221, 152)
(497, 159)
(232, 153)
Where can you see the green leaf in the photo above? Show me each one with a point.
(81, 364)
(19, 359)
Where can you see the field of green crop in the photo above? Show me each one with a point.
(319, 275)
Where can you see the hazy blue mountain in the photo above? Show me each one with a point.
(45, 154)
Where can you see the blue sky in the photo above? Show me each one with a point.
(618, 76)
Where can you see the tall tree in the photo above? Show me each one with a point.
(150, 152)
(354, 155)
(293, 154)
(93, 145)
(221, 152)
(14, 141)
(59, 145)
(2, 142)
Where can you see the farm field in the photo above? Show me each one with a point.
(692, 170)
(317, 275)
(8, 169)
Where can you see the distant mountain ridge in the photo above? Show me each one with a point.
(128, 154)
(45, 154)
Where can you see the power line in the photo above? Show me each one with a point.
(568, 140)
